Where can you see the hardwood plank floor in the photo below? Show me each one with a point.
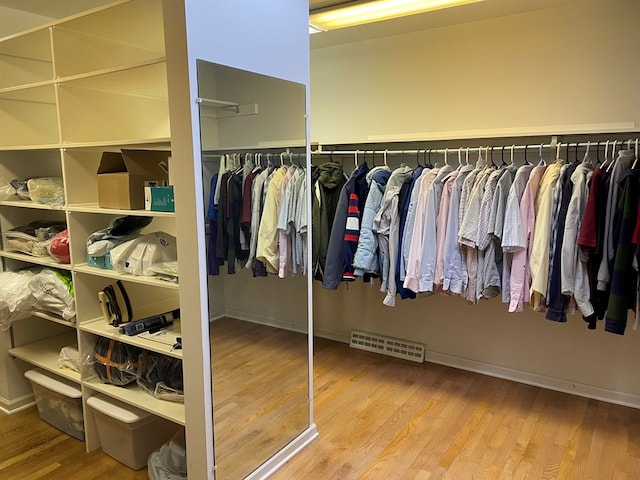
(383, 418)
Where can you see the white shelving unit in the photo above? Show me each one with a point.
(70, 90)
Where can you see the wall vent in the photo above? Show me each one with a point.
(392, 347)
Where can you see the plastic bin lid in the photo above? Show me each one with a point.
(118, 410)
(55, 384)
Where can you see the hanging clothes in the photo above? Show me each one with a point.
(404, 199)
(624, 277)
(541, 235)
(574, 269)
(557, 302)
(387, 226)
(621, 165)
(267, 248)
(366, 258)
(454, 267)
(441, 225)
(429, 252)
(488, 281)
(520, 280)
(416, 242)
(345, 229)
(327, 181)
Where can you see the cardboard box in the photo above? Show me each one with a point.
(121, 177)
(159, 199)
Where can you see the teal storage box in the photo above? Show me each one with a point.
(159, 199)
(103, 261)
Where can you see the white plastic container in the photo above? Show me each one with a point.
(126, 433)
(59, 402)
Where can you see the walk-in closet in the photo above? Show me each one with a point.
(403, 249)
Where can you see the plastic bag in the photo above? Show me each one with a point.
(139, 255)
(16, 301)
(20, 186)
(53, 292)
(46, 190)
(170, 463)
(58, 247)
(32, 239)
(7, 191)
(117, 363)
(122, 229)
(161, 376)
(69, 358)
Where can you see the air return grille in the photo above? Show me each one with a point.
(387, 346)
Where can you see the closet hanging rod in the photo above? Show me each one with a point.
(483, 148)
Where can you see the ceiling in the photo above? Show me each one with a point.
(439, 18)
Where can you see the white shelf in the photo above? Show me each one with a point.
(55, 318)
(46, 261)
(94, 208)
(102, 328)
(134, 395)
(30, 204)
(44, 354)
(103, 272)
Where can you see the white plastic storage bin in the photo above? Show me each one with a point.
(59, 402)
(126, 433)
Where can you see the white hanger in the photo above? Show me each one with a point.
(513, 147)
(384, 157)
(558, 151)
(636, 159)
(355, 158)
(613, 155)
(542, 160)
(459, 157)
(446, 156)
(586, 153)
(467, 157)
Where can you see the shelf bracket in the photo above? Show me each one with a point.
(226, 109)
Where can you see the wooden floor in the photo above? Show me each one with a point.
(382, 418)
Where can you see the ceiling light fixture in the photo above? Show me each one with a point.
(377, 10)
(313, 29)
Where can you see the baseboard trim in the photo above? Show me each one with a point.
(264, 320)
(544, 381)
(283, 456)
(332, 335)
(9, 407)
(521, 376)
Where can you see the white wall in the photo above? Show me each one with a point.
(13, 21)
(567, 69)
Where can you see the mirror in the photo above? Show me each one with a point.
(253, 142)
